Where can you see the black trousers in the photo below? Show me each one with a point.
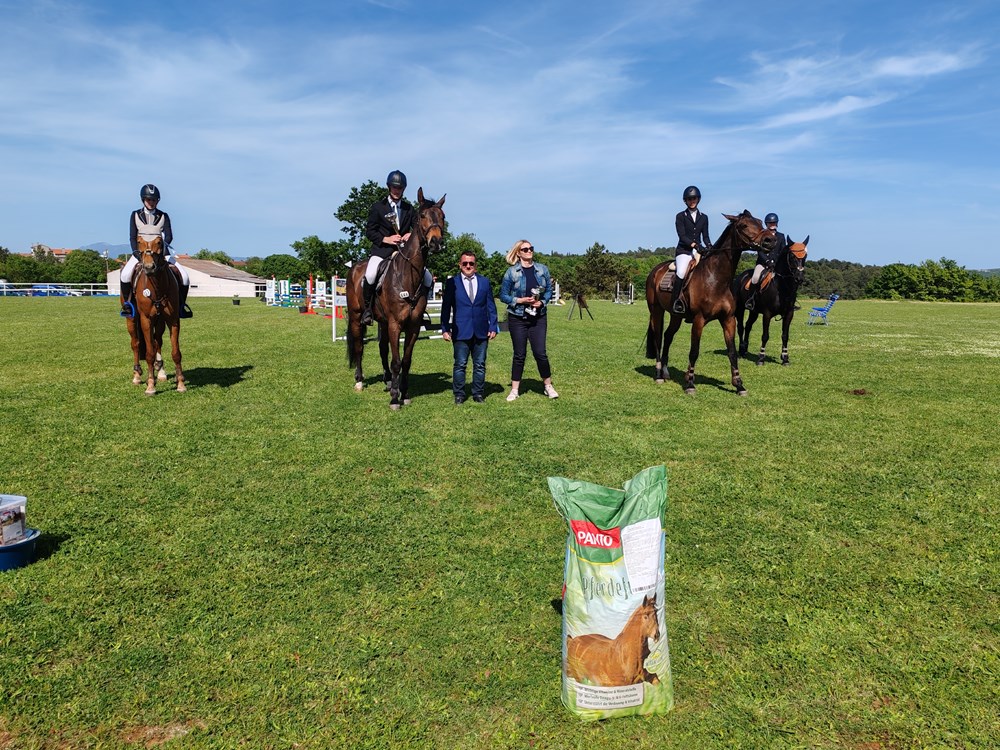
(531, 329)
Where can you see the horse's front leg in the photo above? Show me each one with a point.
(383, 349)
(149, 334)
(697, 326)
(412, 334)
(395, 366)
(765, 334)
(786, 324)
(729, 333)
(175, 353)
(744, 331)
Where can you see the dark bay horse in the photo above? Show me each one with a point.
(710, 297)
(612, 662)
(777, 299)
(399, 303)
(157, 295)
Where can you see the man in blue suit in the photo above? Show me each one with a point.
(469, 322)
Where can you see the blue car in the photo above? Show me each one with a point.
(8, 290)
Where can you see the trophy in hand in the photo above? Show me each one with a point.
(536, 296)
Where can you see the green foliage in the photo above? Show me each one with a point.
(325, 259)
(288, 563)
(20, 269)
(284, 266)
(597, 273)
(354, 213)
(444, 263)
(84, 267)
(824, 277)
(493, 267)
(933, 281)
(217, 255)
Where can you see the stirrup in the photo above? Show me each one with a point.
(749, 304)
(128, 310)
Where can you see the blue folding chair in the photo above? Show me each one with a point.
(820, 312)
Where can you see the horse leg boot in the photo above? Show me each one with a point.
(184, 311)
(368, 293)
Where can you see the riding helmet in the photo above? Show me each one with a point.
(396, 179)
(691, 192)
(771, 219)
(149, 191)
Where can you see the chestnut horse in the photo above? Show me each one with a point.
(777, 299)
(157, 296)
(399, 302)
(612, 662)
(708, 289)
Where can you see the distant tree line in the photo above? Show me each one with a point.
(596, 272)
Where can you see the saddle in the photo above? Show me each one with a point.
(765, 280)
(380, 278)
(667, 282)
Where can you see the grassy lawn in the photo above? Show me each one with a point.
(272, 560)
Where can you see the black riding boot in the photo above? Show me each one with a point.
(368, 292)
(677, 304)
(128, 310)
(751, 298)
(185, 311)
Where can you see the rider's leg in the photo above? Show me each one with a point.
(183, 310)
(754, 286)
(128, 309)
(368, 288)
(682, 262)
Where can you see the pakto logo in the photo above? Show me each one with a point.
(588, 535)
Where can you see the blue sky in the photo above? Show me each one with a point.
(871, 127)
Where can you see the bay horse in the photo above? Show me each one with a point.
(157, 304)
(708, 288)
(777, 299)
(399, 302)
(613, 662)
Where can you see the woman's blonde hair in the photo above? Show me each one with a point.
(512, 257)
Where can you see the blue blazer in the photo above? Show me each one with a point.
(464, 318)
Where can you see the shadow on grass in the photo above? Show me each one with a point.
(676, 377)
(224, 377)
(48, 544)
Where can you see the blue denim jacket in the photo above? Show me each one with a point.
(514, 285)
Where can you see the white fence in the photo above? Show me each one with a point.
(52, 290)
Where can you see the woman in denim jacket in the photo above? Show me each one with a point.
(527, 288)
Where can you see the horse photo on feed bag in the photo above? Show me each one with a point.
(156, 288)
(709, 296)
(400, 302)
(776, 298)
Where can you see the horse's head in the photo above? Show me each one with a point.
(796, 259)
(750, 232)
(151, 252)
(430, 221)
(650, 622)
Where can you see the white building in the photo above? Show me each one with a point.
(209, 279)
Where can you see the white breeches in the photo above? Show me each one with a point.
(375, 262)
(129, 269)
(757, 271)
(682, 262)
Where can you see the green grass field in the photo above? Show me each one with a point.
(272, 560)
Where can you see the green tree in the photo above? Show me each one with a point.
(255, 266)
(19, 269)
(444, 262)
(217, 255)
(284, 267)
(598, 273)
(493, 267)
(83, 267)
(325, 259)
(354, 213)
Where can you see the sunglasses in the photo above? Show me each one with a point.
(528, 249)
(468, 263)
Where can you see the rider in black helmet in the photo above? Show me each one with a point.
(692, 230)
(149, 221)
(765, 259)
(390, 221)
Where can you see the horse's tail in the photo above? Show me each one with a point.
(651, 342)
(351, 358)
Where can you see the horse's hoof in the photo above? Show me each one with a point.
(659, 380)
(150, 391)
(742, 392)
(395, 407)
(785, 363)
(136, 380)
(406, 402)
(690, 391)
(161, 376)
(760, 362)
(359, 386)
(181, 388)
